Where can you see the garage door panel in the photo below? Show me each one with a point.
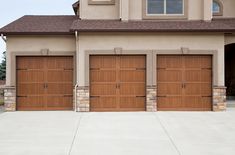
(195, 83)
(103, 103)
(33, 102)
(132, 62)
(116, 81)
(30, 76)
(29, 63)
(192, 62)
(103, 89)
(59, 63)
(193, 75)
(103, 76)
(132, 75)
(132, 103)
(60, 102)
(102, 62)
(193, 89)
(60, 88)
(197, 102)
(206, 89)
(206, 75)
(170, 62)
(206, 62)
(30, 89)
(169, 75)
(170, 103)
(60, 76)
(40, 79)
(169, 89)
(136, 89)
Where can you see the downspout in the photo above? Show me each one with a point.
(76, 86)
(3, 38)
(120, 9)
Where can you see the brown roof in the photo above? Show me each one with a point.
(40, 25)
(69, 24)
(219, 25)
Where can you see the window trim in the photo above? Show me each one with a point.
(220, 13)
(164, 16)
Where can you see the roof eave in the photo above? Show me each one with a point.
(36, 33)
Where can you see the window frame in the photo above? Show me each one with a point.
(220, 13)
(146, 15)
(101, 2)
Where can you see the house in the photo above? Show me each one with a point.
(123, 55)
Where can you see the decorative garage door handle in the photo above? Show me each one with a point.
(45, 85)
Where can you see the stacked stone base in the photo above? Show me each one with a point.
(9, 99)
(151, 101)
(83, 99)
(219, 99)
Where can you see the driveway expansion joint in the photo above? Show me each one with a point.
(75, 134)
(167, 133)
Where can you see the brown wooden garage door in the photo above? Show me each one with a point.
(117, 83)
(44, 83)
(184, 83)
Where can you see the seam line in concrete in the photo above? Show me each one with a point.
(168, 134)
(75, 134)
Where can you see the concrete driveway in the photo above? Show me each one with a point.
(162, 133)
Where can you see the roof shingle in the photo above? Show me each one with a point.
(153, 26)
(69, 24)
(40, 24)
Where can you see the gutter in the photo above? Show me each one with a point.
(3, 38)
(76, 86)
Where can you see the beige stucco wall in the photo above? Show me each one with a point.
(229, 39)
(35, 45)
(196, 10)
(99, 11)
(228, 6)
(152, 43)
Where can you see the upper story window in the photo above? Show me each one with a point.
(217, 8)
(165, 7)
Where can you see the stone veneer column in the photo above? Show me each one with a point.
(151, 104)
(83, 102)
(219, 98)
(10, 98)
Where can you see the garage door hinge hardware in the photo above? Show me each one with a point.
(68, 69)
(20, 69)
(161, 96)
(95, 97)
(68, 95)
(206, 68)
(95, 69)
(140, 96)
